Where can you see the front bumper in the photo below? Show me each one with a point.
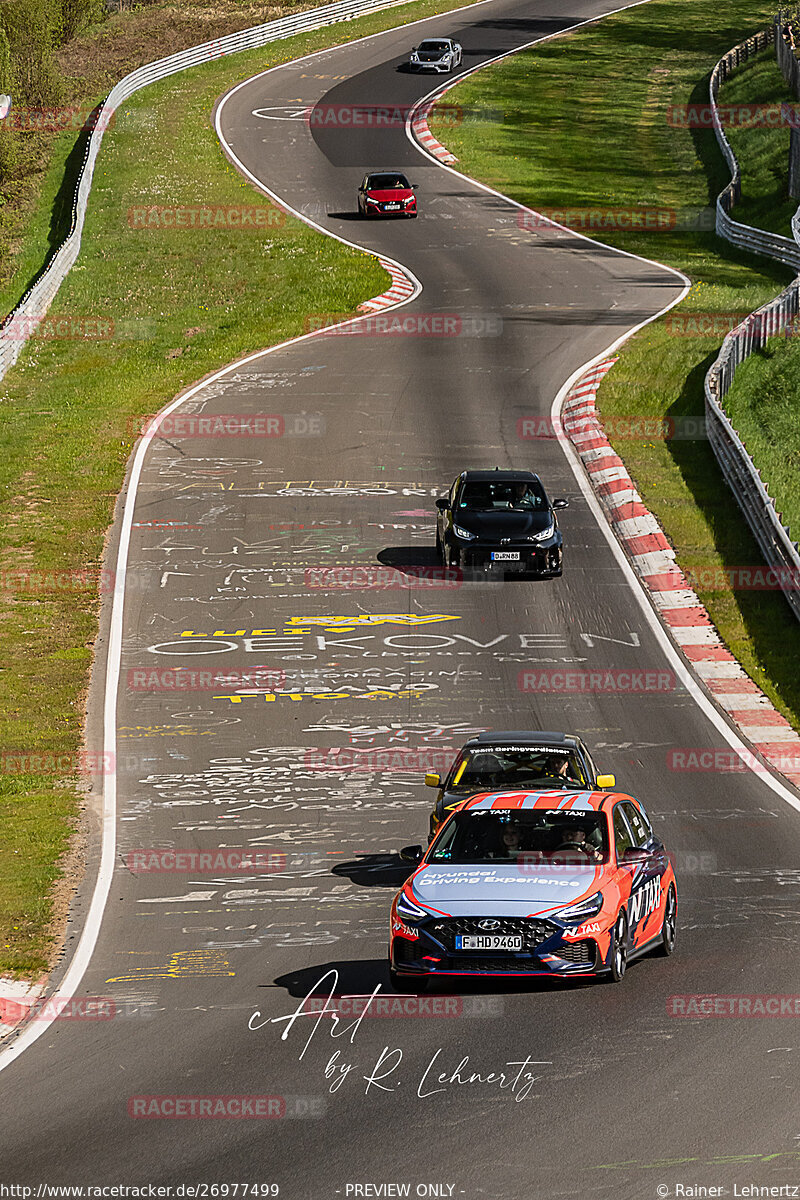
(434, 951)
(440, 68)
(383, 210)
(535, 558)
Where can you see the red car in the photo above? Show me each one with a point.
(387, 193)
(559, 883)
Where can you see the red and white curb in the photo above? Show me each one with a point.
(16, 998)
(402, 288)
(422, 133)
(653, 559)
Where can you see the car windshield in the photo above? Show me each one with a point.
(525, 495)
(530, 837)
(439, 47)
(386, 182)
(514, 768)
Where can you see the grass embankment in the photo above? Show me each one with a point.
(588, 123)
(183, 302)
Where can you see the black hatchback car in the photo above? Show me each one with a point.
(499, 521)
(510, 762)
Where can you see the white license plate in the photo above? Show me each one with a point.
(488, 941)
(392, 204)
(505, 556)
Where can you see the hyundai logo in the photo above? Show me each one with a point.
(488, 924)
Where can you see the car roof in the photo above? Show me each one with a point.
(502, 476)
(585, 801)
(527, 737)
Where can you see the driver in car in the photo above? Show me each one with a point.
(522, 497)
(556, 767)
(576, 839)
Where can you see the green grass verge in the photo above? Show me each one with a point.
(585, 124)
(183, 302)
(764, 405)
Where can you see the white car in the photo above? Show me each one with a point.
(436, 54)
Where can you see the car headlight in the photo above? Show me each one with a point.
(408, 200)
(544, 535)
(407, 909)
(575, 914)
(464, 533)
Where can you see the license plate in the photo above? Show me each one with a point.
(488, 941)
(505, 556)
(392, 204)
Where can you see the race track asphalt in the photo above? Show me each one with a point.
(229, 537)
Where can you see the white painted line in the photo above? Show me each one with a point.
(620, 499)
(596, 454)
(656, 562)
(739, 701)
(675, 598)
(695, 635)
(637, 526)
(720, 669)
(765, 734)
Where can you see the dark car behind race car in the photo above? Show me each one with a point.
(513, 760)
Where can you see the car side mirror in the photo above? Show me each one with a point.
(443, 503)
(561, 503)
(633, 856)
(411, 854)
(606, 780)
(413, 187)
(432, 779)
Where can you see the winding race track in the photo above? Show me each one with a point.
(612, 1095)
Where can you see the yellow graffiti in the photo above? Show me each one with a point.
(378, 694)
(140, 731)
(208, 963)
(302, 625)
(373, 619)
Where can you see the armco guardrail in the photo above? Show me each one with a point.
(19, 323)
(783, 249)
(740, 472)
(785, 52)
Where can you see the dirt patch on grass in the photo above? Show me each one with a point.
(92, 64)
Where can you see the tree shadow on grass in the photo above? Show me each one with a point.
(61, 212)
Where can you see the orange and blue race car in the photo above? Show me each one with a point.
(534, 883)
